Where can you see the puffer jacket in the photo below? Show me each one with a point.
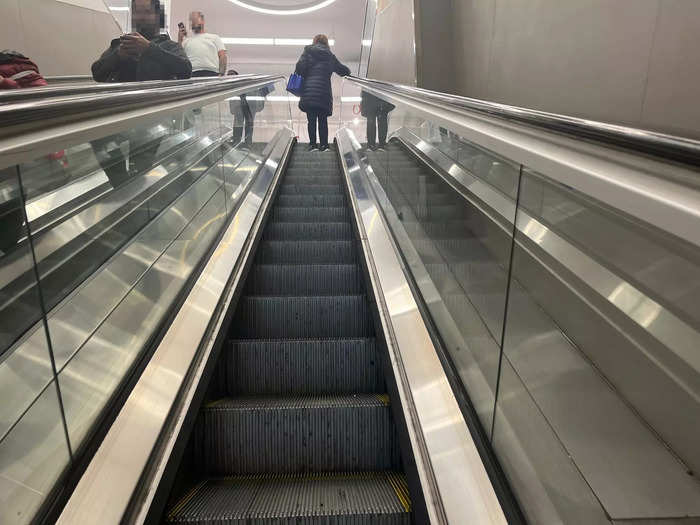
(316, 65)
(163, 60)
(17, 71)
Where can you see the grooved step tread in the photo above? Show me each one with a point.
(310, 201)
(308, 231)
(300, 317)
(304, 279)
(297, 433)
(306, 252)
(298, 402)
(377, 498)
(310, 214)
(292, 366)
(311, 189)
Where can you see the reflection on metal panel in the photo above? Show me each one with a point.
(32, 456)
(452, 461)
(108, 484)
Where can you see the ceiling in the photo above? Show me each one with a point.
(342, 20)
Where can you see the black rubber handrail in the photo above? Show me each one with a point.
(81, 87)
(669, 147)
(24, 116)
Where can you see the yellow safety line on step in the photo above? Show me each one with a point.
(401, 491)
(186, 499)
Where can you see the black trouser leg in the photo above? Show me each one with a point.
(312, 116)
(249, 120)
(111, 161)
(238, 122)
(383, 119)
(371, 130)
(323, 130)
(144, 160)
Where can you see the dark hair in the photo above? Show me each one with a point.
(321, 39)
(155, 4)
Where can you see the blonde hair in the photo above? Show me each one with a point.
(321, 39)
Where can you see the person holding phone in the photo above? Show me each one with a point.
(205, 50)
(144, 54)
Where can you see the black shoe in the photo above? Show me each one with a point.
(311, 147)
(324, 148)
(381, 147)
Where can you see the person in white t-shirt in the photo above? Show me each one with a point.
(206, 51)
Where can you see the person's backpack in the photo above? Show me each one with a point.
(17, 71)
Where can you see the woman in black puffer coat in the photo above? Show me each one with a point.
(316, 65)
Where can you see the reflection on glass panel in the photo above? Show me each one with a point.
(458, 254)
(25, 364)
(118, 225)
(601, 350)
(32, 457)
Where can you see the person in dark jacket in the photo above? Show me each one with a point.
(142, 55)
(316, 65)
(376, 111)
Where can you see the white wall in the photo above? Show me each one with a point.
(635, 62)
(63, 37)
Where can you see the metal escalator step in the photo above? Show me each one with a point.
(363, 498)
(303, 433)
(311, 201)
(312, 176)
(266, 317)
(306, 252)
(303, 366)
(310, 189)
(304, 279)
(310, 214)
(308, 231)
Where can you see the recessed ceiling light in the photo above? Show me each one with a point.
(249, 41)
(271, 11)
(119, 9)
(254, 41)
(366, 43)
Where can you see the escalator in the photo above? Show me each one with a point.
(297, 424)
(468, 325)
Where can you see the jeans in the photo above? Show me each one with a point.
(322, 118)
(381, 118)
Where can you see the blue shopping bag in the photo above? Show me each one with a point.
(294, 84)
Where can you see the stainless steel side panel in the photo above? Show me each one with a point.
(110, 480)
(454, 480)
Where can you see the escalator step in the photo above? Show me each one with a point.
(312, 279)
(302, 317)
(303, 366)
(288, 214)
(265, 434)
(307, 252)
(303, 201)
(312, 176)
(367, 498)
(308, 231)
(311, 189)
